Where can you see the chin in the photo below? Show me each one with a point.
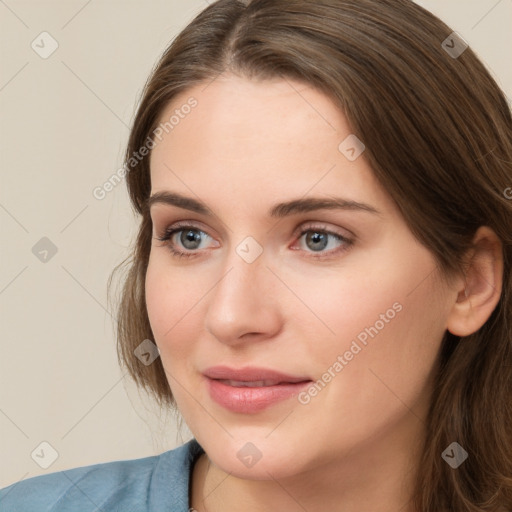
(254, 455)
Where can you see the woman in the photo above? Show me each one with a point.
(321, 282)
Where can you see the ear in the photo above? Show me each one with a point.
(478, 294)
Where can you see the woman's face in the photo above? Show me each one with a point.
(344, 297)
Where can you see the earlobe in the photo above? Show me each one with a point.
(479, 294)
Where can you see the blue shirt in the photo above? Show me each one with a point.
(159, 483)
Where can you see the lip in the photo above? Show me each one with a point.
(250, 400)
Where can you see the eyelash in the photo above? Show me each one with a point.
(169, 232)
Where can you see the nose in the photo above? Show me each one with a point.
(244, 304)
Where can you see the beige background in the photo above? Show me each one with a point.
(63, 126)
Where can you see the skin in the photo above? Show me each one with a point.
(355, 446)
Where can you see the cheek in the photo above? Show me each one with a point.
(357, 306)
(378, 365)
(387, 322)
(173, 302)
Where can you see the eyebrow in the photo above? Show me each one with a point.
(277, 211)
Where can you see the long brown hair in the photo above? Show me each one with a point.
(438, 135)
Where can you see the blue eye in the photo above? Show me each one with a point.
(317, 240)
(189, 237)
(184, 241)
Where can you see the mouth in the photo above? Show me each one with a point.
(249, 374)
(251, 390)
(255, 383)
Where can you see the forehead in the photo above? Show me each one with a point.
(246, 137)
